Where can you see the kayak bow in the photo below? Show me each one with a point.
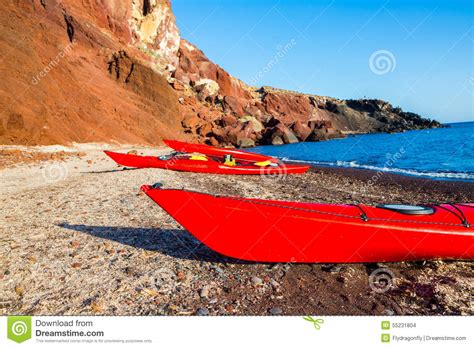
(280, 231)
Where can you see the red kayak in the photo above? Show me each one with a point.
(186, 163)
(279, 231)
(218, 151)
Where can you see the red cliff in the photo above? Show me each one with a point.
(118, 71)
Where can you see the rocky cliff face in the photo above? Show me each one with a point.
(118, 71)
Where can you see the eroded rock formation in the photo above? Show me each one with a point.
(118, 71)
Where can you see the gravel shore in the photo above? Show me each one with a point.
(78, 237)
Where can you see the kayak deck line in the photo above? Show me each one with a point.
(282, 204)
(364, 218)
(379, 226)
(277, 231)
(387, 226)
(458, 213)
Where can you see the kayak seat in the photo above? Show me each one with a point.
(407, 209)
(263, 164)
(229, 161)
(198, 158)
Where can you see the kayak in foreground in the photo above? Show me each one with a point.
(279, 231)
(218, 151)
(203, 164)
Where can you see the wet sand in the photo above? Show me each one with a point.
(78, 237)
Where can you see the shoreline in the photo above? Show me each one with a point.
(380, 172)
(411, 155)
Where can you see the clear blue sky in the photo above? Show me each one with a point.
(427, 44)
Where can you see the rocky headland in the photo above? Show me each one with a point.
(120, 72)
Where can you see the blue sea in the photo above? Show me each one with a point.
(442, 154)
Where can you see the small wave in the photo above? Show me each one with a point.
(410, 172)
